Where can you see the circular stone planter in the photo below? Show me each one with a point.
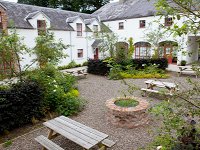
(127, 117)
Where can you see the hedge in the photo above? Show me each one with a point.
(19, 105)
(99, 67)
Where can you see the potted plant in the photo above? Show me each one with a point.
(183, 62)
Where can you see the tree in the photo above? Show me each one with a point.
(47, 50)
(131, 48)
(85, 6)
(178, 9)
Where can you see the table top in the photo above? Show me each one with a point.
(161, 84)
(76, 132)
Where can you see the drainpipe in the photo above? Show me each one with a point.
(87, 43)
(70, 40)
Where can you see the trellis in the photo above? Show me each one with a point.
(7, 65)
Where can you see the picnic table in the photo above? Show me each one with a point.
(171, 87)
(81, 134)
(187, 70)
(79, 71)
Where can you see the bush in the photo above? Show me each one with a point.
(98, 67)
(183, 62)
(72, 64)
(59, 89)
(19, 105)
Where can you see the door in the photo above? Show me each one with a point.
(96, 53)
(168, 53)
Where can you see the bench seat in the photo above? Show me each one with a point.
(155, 91)
(107, 144)
(48, 144)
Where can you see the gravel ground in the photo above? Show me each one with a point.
(96, 90)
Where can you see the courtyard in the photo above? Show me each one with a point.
(96, 90)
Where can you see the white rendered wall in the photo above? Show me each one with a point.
(132, 29)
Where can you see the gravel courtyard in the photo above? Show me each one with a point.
(96, 90)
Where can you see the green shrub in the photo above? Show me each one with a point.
(115, 73)
(72, 64)
(58, 90)
(183, 62)
(85, 63)
(20, 104)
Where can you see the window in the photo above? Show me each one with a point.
(79, 29)
(142, 50)
(121, 25)
(80, 53)
(95, 30)
(41, 25)
(142, 23)
(168, 21)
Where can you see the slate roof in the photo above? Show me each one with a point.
(17, 13)
(96, 43)
(126, 10)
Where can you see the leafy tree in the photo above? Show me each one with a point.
(179, 9)
(131, 48)
(48, 50)
(85, 6)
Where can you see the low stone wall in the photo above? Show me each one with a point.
(127, 117)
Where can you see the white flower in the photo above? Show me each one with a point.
(159, 148)
(56, 86)
(54, 90)
(143, 65)
(54, 81)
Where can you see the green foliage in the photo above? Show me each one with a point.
(128, 71)
(187, 9)
(47, 50)
(11, 46)
(7, 143)
(126, 102)
(180, 117)
(58, 90)
(19, 104)
(131, 48)
(183, 62)
(87, 6)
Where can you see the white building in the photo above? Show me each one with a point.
(72, 28)
(131, 18)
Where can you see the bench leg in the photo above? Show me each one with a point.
(101, 146)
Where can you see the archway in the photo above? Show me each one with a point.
(168, 49)
(142, 50)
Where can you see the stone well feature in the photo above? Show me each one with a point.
(127, 117)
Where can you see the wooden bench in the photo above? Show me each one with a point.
(47, 144)
(82, 135)
(171, 87)
(187, 70)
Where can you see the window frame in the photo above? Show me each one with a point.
(121, 25)
(142, 23)
(140, 47)
(80, 54)
(41, 26)
(168, 22)
(79, 31)
(1, 21)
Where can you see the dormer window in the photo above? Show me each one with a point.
(95, 30)
(121, 25)
(79, 29)
(168, 21)
(142, 23)
(41, 26)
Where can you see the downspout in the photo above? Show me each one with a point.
(70, 40)
(87, 43)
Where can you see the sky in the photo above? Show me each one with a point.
(16, 0)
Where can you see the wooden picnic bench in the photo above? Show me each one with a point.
(81, 134)
(171, 87)
(187, 70)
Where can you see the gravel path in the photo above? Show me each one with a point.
(96, 90)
